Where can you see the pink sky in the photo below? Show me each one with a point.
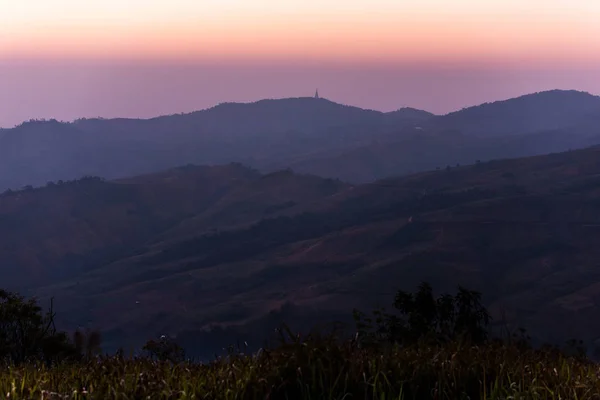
(68, 58)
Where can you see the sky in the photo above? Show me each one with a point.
(66, 59)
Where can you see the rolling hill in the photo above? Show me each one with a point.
(534, 124)
(543, 111)
(256, 134)
(523, 231)
(424, 151)
(310, 135)
(224, 250)
(64, 228)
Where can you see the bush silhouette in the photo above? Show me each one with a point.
(425, 318)
(164, 349)
(87, 344)
(26, 333)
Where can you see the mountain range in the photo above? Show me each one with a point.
(309, 135)
(195, 250)
(213, 253)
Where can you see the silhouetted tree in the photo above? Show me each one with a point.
(423, 317)
(26, 333)
(87, 344)
(164, 349)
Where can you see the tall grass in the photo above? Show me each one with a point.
(321, 368)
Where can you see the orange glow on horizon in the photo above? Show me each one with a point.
(383, 31)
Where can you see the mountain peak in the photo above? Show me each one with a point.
(553, 94)
(534, 112)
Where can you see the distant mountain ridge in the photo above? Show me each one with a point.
(253, 133)
(553, 109)
(534, 124)
(263, 116)
(308, 134)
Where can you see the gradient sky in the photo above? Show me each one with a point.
(72, 58)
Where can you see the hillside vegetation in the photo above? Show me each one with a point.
(522, 231)
(55, 232)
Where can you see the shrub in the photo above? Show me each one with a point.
(421, 317)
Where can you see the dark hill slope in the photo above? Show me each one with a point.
(524, 231)
(278, 193)
(55, 232)
(52, 231)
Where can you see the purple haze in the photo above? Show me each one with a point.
(67, 91)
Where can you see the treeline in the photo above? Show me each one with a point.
(28, 188)
(32, 121)
(28, 333)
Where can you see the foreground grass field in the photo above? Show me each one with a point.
(321, 368)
